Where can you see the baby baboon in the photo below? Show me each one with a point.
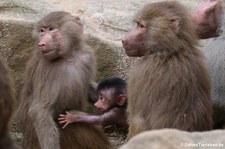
(112, 101)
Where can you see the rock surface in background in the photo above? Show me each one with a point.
(106, 22)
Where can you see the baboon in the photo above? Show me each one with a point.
(57, 79)
(212, 19)
(214, 52)
(6, 106)
(169, 86)
(112, 101)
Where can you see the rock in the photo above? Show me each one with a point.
(22, 10)
(176, 139)
(110, 56)
(108, 19)
(16, 44)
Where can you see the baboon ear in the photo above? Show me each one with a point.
(79, 22)
(121, 99)
(175, 24)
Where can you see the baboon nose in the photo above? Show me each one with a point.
(124, 42)
(41, 45)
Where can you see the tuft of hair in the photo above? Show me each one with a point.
(116, 83)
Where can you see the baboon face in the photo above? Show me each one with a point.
(158, 31)
(57, 34)
(138, 40)
(52, 43)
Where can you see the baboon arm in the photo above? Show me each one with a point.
(45, 126)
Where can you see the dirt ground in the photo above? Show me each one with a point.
(117, 136)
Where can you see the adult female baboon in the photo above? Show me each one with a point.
(57, 79)
(170, 85)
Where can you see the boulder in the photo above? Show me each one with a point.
(176, 139)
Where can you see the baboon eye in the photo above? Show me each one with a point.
(140, 25)
(42, 30)
(51, 28)
(101, 98)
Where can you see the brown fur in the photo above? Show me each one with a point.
(169, 87)
(53, 86)
(208, 18)
(6, 106)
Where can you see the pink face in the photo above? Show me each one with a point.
(52, 42)
(105, 100)
(134, 42)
